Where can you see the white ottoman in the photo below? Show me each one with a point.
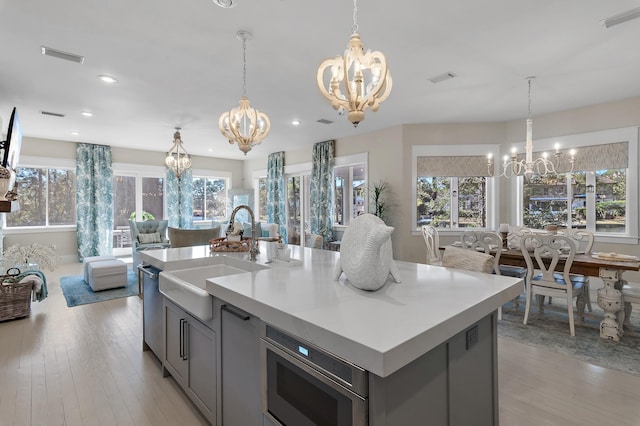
(107, 274)
(88, 260)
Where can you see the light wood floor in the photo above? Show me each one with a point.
(85, 366)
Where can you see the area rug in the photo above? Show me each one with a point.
(551, 331)
(77, 292)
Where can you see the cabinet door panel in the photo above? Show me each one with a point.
(202, 364)
(240, 369)
(174, 344)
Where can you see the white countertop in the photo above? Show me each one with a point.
(380, 331)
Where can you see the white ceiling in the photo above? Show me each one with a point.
(179, 64)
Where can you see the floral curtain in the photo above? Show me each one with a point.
(94, 200)
(276, 192)
(180, 199)
(321, 201)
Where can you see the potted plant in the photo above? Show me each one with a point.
(380, 200)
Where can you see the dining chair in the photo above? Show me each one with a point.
(543, 252)
(630, 294)
(432, 240)
(486, 242)
(583, 240)
(489, 243)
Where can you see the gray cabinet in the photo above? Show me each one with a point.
(190, 357)
(240, 368)
(454, 384)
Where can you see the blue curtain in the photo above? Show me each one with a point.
(276, 192)
(321, 197)
(180, 199)
(94, 200)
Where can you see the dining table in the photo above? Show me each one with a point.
(604, 266)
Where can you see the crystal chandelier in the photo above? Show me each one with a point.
(358, 80)
(528, 166)
(177, 158)
(243, 124)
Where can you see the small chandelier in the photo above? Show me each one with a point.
(358, 80)
(177, 158)
(243, 124)
(528, 166)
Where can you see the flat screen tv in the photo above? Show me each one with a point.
(11, 146)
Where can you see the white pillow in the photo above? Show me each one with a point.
(153, 237)
(470, 260)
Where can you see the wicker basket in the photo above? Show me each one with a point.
(222, 244)
(15, 297)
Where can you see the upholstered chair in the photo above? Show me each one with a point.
(147, 235)
(192, 237)
(314, 241)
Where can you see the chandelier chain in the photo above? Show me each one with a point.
(529, 110)
(244, 68)
(354, 30)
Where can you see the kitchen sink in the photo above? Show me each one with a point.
(187, 287)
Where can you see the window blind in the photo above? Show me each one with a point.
(452, 166)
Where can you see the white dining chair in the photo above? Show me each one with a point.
(630, 294)
(432, 240)
(583, 240)
(542, 252)
(489, 243)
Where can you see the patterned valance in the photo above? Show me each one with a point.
(592, 158)
(452, 166)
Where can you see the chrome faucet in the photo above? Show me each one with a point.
(253, 248)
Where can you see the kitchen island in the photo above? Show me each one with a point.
(428, 344)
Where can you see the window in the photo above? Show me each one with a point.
(350, 188)
(350, 192)
(595, 200)
(209, 198)
(451, 202)
(136, 196)
(599, 195)
(453, 191)
(47, 197)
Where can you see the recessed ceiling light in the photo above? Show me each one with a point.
(210, 150)
(296, 122)
(227, 4)
(75, 133)
(87, 113)
(107, 78)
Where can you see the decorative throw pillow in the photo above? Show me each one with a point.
(366, 254)
(470, 260)
(153, 237)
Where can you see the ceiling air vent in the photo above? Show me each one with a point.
(62, 55)
(325, 121)
(53, 114)
(442, 77)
